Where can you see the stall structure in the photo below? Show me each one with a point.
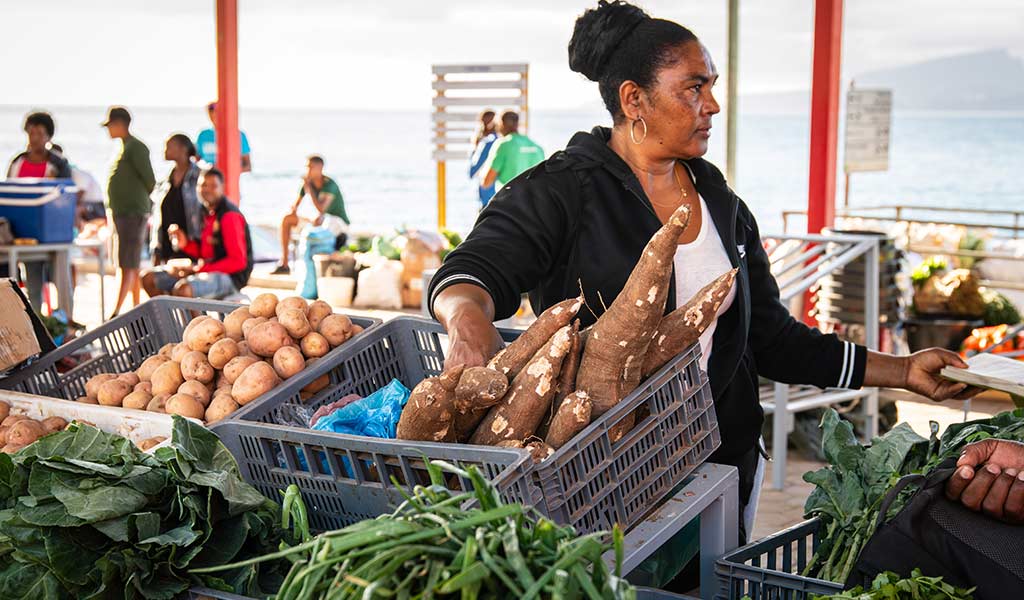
(461, 93)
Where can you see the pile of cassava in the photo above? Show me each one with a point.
(18, 431)
(547, 385)
(219, 366)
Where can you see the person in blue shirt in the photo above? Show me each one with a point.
(206, 142)
(482, 147)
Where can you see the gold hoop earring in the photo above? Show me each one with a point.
(632, 126)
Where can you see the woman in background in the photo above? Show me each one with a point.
(482, 147)
(178, 199)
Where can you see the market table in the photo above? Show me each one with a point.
(711, 493)
(59, 257)
(101, 266)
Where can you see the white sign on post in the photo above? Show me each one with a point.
(868, 126)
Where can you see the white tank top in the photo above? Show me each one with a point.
(697, 264)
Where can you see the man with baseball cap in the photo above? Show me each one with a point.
(131, 181)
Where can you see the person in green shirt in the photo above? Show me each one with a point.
(515, 154)
(131, 181)
(329, 204)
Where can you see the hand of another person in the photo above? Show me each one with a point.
(178, 238)
(922, 375)
(185, 271)
(997, 488)
(472, 341)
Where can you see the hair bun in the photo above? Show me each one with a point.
(598, 32)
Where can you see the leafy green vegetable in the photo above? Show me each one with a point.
(927, 268)
(86, 514)
(889, 586)
(999, 309)
(851, 488)
(433, 545)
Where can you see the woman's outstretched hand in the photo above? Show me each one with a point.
(467, 313)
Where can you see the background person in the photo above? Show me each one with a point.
(482, 146)
(206, 142)
(128, 189)
(91, 207)
(223, 250)
(329, 204)
(515, 153)
(40, 160)
(179, 200)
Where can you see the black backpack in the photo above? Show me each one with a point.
(944, 538)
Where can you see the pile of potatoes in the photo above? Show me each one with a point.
(220, 366)
(18, 431)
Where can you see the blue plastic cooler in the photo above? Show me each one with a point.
(43, 209)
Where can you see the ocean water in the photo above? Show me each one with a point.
(382, 159)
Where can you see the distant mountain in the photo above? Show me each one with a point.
(990, 80)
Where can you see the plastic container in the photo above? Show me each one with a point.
(590, 483)
(43, 209)
(136, 425)
(769, 569)
(123, 343)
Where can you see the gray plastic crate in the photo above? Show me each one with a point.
(124, 342)
(590, 483)
(769, 569)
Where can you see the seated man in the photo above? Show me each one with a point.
(223, 253)
(330, 207)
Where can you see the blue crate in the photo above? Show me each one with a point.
(43, 209)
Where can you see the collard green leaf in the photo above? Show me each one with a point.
(100, 503)
(26, 581)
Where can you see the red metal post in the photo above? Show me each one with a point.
(828, 43)
(229, 150)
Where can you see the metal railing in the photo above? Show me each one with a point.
(799, 262)
(906, 213)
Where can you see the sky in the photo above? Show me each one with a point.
(343, 54)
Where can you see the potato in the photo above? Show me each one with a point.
(130, 378)
(294, 321)
(248, 325)
(158, 403)
(165, 350)
(336, 328)
(52, 424)
(197, 390)
(12, 419)
(297, 302)
(137, 400)
(288, 361)
(86, 400)
(192, 324)
(11, 448)
(112, 392)
(185, 406)
(256, 380)
(92, 387)
(205, 334)
(145, 370)
(266, 338)
(356, 330)
(314, 345)
(221, 407)
(143, 386)
(221, 381)
(264, 305)
(318, 309)
(167, 378)
(3, 434)
(235, 367)
(234, 320)
(25, 432)
(5, 410)
(221, 352)
(148, 443)
(179, 352)
(194, 366)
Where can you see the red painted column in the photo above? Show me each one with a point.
(229, 150)
(825, 90)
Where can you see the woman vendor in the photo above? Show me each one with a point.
(581, 219)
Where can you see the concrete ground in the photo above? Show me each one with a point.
(778, 509)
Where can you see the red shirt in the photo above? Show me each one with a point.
(32, 169)
(232, 232)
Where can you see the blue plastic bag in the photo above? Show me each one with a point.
(374, 416)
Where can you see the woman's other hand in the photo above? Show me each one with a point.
(922, 375)
(997, 488)
(467, 313)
